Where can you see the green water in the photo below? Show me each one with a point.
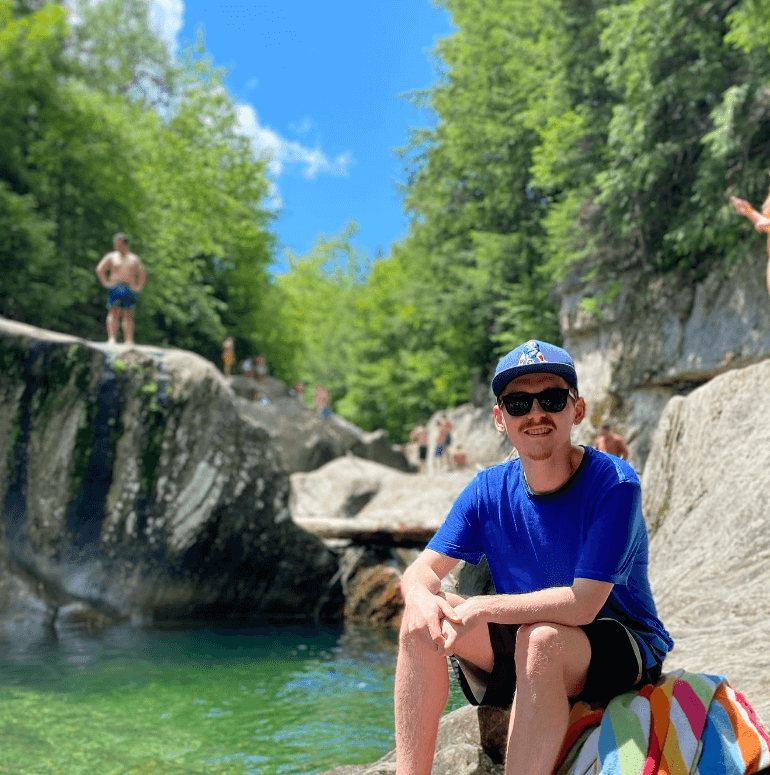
(245, 702)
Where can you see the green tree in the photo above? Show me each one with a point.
(30, 58)
(320, 292)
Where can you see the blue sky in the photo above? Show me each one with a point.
(318, 88)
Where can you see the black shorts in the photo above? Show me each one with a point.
(616, 666)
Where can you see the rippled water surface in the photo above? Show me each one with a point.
(251, 702)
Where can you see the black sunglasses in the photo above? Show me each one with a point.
(552, 399)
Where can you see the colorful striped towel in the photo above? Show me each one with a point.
(685, 724)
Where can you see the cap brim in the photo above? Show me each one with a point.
(560, 369)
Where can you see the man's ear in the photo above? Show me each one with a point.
(580, 411)
(497, 414)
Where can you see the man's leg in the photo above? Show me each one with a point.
(551, 666)
(128, 326)
(112, 324)
(422, 688)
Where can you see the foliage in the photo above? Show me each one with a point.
(320, 293)
(102, 131)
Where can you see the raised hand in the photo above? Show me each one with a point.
(742, 207)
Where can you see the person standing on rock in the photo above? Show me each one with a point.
(420, 436)
(228, 356)
(443, 441)
(123, 274)
(607, 441)
(321, 403)
(561, 527)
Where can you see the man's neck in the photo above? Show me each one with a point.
(546, 476)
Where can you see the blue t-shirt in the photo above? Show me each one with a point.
(591, 528)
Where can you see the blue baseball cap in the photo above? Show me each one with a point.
(534, 356)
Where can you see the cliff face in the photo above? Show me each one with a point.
(658, 338)
(130, 482)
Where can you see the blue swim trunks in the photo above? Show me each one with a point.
(121, 296)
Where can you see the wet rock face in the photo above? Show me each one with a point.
(129, 480)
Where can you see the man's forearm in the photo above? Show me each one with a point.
(419, 576)
(572, 606)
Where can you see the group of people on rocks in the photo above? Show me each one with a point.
(252, 367)
(444, 454)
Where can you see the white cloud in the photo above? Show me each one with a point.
(282, 152)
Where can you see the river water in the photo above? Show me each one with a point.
(132, 701)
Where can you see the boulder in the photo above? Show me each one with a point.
(304, 440)
(131, 484)
(373, 495)
(706, 487)
(365, 510)
(470, 741)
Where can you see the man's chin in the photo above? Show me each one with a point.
(536, 455)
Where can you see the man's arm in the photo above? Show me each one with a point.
(102, 268)
(139, 276)
(742, 207)
(424, 605)
(572, 606)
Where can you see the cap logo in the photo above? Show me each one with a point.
(531, 354)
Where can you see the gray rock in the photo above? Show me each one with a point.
(706, 490)
(469, 743)
(371, 493)
(304, 441)
(130, 482)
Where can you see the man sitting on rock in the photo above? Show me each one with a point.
(562, 529)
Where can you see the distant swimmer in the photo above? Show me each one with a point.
(123, 274)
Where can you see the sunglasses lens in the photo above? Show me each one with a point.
(553, 399)
(518, 404)
(550, 400)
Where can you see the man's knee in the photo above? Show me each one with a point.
(538, 646)
(546, 649)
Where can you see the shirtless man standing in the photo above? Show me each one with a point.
(607, 441)
(122, 272)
